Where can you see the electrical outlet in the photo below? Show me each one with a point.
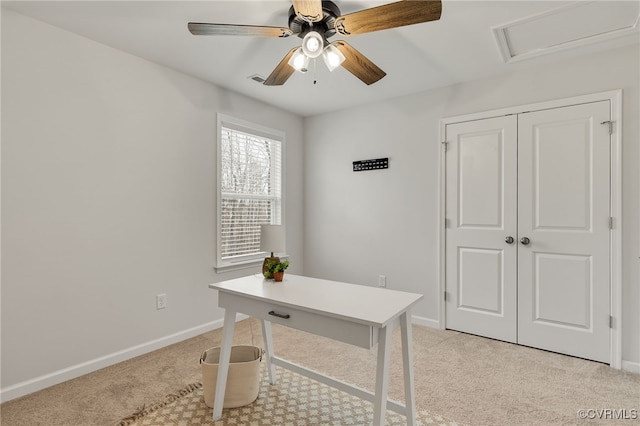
(161, 301)
(382, 281)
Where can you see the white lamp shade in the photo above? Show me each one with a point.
(272, 238)
(333, 57)
(299, 61)
(312, 44)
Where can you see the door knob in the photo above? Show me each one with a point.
(509, 240)
(525, 241)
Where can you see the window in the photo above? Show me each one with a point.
(249, 188)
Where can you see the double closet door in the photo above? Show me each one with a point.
(527, 230)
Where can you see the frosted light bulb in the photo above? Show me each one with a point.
(312, 44)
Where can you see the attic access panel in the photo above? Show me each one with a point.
(577, 24)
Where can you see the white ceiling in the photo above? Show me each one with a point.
(459, 47)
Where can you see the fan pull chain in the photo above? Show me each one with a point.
(315, 72)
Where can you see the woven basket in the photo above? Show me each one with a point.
(243, 379)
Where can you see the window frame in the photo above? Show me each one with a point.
(226, 121)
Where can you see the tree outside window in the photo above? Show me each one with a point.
(250, 188)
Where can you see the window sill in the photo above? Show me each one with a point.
(245, 264)
(238, 266)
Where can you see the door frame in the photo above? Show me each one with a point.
(615, 242)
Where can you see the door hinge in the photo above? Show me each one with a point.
(446, 223)
(610, 222)
(445, 144)
(446, 296)
(610, 321)
(610, 124)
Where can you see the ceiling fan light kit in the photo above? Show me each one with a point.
(333, 58)
(312, 47)
(315, 21)
(312, 44)
(299, 61)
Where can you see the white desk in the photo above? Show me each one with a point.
(355, 314)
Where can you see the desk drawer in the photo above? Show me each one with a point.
(338, 329)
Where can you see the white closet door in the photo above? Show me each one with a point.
(481, 213)
(563, 209)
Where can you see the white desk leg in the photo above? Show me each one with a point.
(382, 377)
(407, 363)
(268, 349)
(223, 366)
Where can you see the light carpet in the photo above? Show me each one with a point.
(294, 401)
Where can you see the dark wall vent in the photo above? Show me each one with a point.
(260, 79)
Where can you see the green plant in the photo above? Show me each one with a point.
(273, 267)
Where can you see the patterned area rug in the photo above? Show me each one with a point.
(295, 401)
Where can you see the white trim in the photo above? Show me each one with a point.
(246, 264)
(615, 99)
(47, 380)
(633, 367)
(442, 224)
(611, 95)
(502, 40)
(237, 266)
(240, 317)
(427, 322)
(237, 124)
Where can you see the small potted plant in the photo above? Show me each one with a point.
(276, 269)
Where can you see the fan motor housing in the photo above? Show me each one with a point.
(326, 27)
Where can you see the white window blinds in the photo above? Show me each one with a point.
(250, 183)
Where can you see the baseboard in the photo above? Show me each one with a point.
(42, 382)
(633, 367)
(427, 322)
(56, 377)
(45, 381)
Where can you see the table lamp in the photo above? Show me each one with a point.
(271, 241)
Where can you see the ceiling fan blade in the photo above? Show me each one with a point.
(282, 72)
(309, 10)
(358, 64)
(392, 15)
(202, 28)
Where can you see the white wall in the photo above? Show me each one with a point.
(361, 225)
(108, 198)
(108, 194)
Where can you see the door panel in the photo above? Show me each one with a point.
(485, 266)
(561, 281)
(481, 211)
(563, 208)
(480, 179)
(562, 198)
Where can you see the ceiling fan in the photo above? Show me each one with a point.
(315, 21)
